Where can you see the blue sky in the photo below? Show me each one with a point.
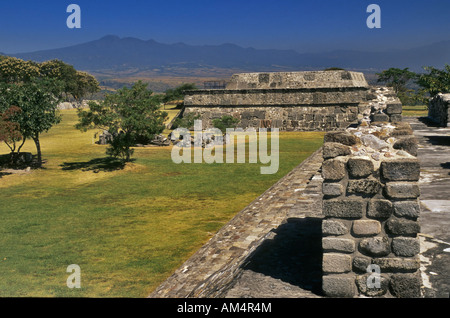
(305, 26)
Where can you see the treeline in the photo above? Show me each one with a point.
(426, 85)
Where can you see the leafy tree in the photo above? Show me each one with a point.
(129, 115)
(14, 70)
(434, 82)
(38, 101)
(225, 122)
(396, 78)
(186, 122)
(178, 92)
(10, 130)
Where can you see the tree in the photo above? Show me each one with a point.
(10, 130)
(38, 101)
(178, 92)
(396, 78)
(14, 70)
(225, 122)
(129, 115)
(434, 82)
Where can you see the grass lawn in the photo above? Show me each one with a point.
(128, 229)
(415, 111)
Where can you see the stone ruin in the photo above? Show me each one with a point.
(439, 109)
(370, 171)
(296, 101)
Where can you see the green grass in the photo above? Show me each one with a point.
(128, 229)
(415, 111)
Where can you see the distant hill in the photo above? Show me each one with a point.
(131, 56)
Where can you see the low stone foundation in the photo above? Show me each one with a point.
(439, 109)
(371, 212)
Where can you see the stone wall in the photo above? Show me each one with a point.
(296, 101)
(439, 110)
(371, 211)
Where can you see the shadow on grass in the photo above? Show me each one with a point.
(106, 164)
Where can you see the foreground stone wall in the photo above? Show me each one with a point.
(439, 109)
(371, 212)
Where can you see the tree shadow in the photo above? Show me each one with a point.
(294, 255)
(106, 164)
(439, 140)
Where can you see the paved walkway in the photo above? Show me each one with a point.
(434, 157)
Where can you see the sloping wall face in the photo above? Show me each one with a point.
(296, 101)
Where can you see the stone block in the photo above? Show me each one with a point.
(405, 246)
(364, 186)
(395, 118)
(395, 108)
(344, 208)
(360, 264)
(332, 189)
(368, 286)
(336, 263)
(396, 264)
(379, 208)
(408, 144)
(402, 190)
(334, 149)
(333, 170)
(338, 286)
(366, 227)
(375, 246)
(341, 137)
(401, 170)
(400, 226)
(406, 285)
(335, 244)
(409, 209)
(359, 168)
(333, 227)
(380, 117)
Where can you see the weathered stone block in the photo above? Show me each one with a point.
(405, 285)
(366, 227)
(399, 226)
(344, 208)
(333, 170)
(410, 209)
(338, 286)
(365, 186)
(369, 287)
(341, 137)
(402, 190)
(395, 264)
(380, 117)
(401, 170)
(334, 244)
(379, 208)
(336, 263)
(360, 264)
(334, 149)
(394, 108)
(395, 118)
(333, 227)
(405, 246)
(332, 189)
(375, 246)
(359, 168)
(408, 144)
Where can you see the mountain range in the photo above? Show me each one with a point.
(130, 55)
